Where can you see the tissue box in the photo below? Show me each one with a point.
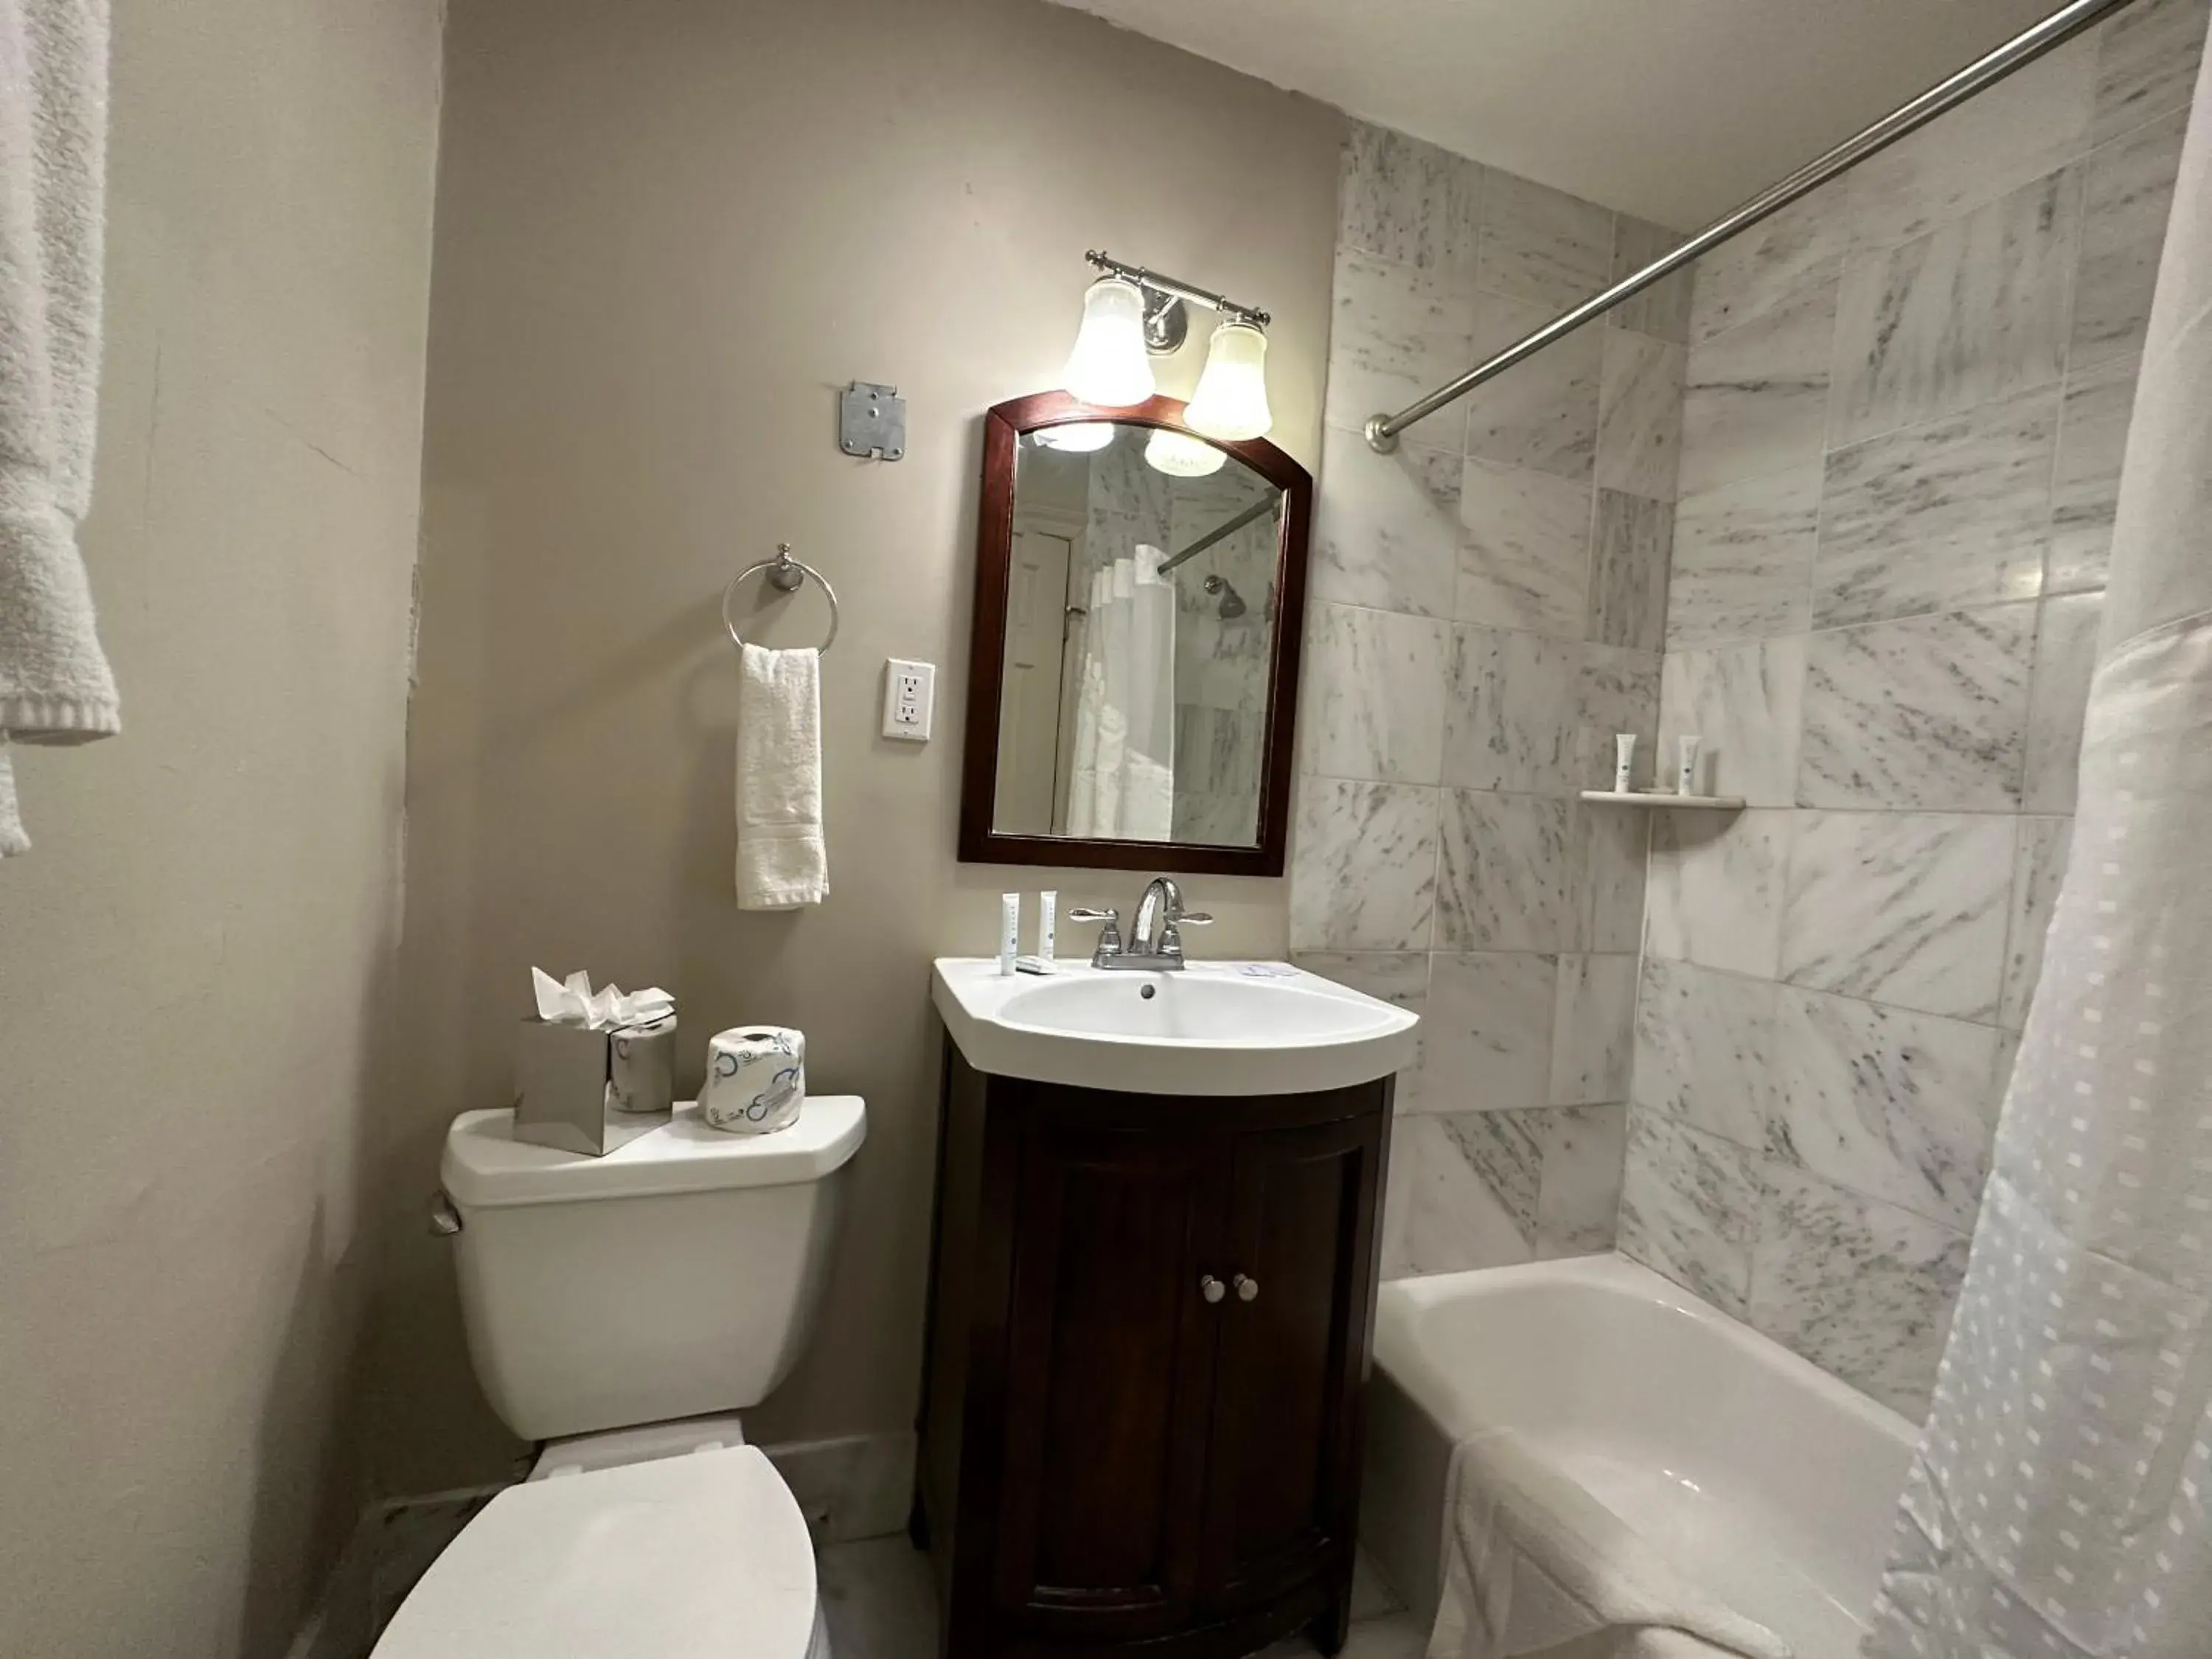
(587, 1092)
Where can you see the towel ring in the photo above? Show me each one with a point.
(784, 574)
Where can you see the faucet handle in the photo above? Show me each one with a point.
(1195, 919)
(1110, 936)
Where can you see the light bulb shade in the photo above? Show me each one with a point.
(1108, 366)
(1182, 456)
(1076, 438)
(1231, 400)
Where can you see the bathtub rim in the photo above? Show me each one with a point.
(1457, 1412)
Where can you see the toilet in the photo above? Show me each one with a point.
(622, 1311)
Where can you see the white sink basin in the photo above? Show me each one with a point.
(1215, 1028)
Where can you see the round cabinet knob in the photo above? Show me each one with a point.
(1211, 1288)
(1248, 1288)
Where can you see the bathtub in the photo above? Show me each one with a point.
(1760, 1476)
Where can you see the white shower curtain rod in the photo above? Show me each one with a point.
(2059, 28)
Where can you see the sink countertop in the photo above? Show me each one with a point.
(1213, 1028)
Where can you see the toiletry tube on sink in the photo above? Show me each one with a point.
(1010, 931)
(1048, 925)
(1624, 761)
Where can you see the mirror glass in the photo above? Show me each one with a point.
(1141, 609)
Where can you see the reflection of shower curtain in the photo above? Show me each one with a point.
(2058, 1506)
(1122, 782)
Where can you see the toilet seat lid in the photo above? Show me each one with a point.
(704, 1556)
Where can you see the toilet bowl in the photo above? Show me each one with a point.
(620, 1309)
(703, 1556)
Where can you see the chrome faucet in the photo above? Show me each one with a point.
(1155, 937)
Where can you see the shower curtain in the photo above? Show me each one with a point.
(2058, 1504)
(1121, 783)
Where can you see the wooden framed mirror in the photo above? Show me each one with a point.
(1133, 682)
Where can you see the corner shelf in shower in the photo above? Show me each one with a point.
(1654, 798)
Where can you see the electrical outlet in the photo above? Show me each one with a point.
(909, 699)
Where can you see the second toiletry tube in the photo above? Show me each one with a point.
(1685, 779)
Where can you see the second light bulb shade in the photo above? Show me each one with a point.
(1182, 456)
(1231, 400)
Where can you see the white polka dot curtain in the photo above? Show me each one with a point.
(2058, 1504)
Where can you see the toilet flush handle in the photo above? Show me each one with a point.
(444, 1219)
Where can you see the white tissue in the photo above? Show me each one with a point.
(573, 1002)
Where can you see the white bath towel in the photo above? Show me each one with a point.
(781, 861)
(1535, 1565)
(55, 683)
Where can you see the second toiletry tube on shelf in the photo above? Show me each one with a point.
(1685, 779)
(1009, 931)
(1624, 761)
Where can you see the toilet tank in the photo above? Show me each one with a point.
(678, 1275)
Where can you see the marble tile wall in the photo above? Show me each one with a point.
(1489, 606)
(1906, 401)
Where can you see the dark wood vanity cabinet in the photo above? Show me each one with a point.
(1150, 1320)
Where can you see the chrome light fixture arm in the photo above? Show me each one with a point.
(1178, 292)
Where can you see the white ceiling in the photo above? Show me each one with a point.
(1672, 109)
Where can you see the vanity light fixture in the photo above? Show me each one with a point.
(1182, 456)
(1231, 399)
(1108, 366)
(1130, 312)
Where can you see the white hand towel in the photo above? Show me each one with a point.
(12, 838)
(781, 861)
(55, 683)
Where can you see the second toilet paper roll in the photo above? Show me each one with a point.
(756, 1078)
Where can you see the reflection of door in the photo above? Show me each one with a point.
(1029, 696)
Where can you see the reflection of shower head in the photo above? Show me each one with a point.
(1232, 602)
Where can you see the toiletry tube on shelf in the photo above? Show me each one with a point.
(1685, 778)
(1048, 923)
(1623, 760)
(1009, 931)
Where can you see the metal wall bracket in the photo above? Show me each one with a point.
(872, 420)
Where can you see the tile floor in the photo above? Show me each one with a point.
(879, 1602)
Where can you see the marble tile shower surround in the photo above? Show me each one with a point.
(1489, 606)
(1905, 405)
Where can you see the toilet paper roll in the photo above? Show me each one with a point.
(756, 1078)
(642, 1066)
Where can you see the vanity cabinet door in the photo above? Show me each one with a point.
(1111, 1350)
(1282, 1457)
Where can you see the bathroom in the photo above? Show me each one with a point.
(453, 356)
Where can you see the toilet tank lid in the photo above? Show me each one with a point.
(485, 1166)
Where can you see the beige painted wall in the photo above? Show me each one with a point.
(196, 957)
(667, 232)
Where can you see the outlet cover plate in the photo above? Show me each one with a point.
(909, 699)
